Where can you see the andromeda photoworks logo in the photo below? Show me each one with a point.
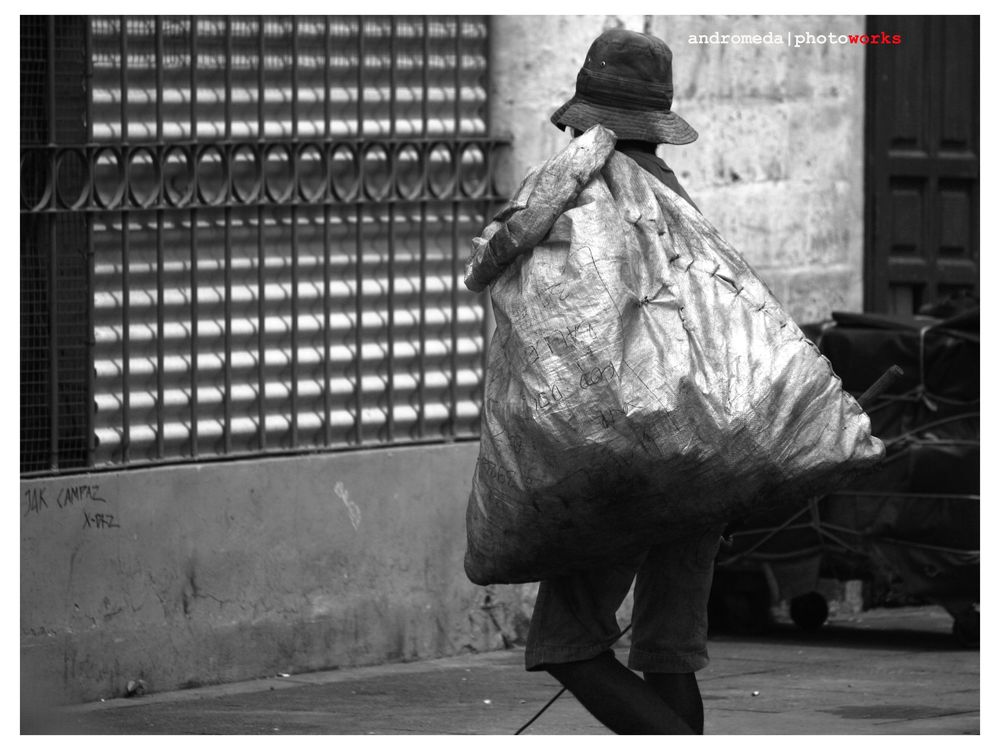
(796, 40)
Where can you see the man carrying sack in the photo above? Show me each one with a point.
(643, 388)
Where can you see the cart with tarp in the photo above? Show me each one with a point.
(915, 521)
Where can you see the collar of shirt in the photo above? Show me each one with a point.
(644, 154)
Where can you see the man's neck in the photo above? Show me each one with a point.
(627, 145)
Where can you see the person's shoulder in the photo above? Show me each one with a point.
(582, 156)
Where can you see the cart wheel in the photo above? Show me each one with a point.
(965, 628)
(809, 611)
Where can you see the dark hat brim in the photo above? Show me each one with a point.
(628, 124)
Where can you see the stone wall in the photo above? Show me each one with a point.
(778, 165)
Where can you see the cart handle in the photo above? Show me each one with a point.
(886, 379)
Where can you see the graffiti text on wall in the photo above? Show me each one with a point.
(38, 500)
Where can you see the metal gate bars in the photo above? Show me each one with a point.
(274, 213)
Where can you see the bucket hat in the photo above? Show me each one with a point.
(626, 84)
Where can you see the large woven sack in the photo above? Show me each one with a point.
(642, 381)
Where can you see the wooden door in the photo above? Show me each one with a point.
(922, 163)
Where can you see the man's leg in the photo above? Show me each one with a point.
(617, 697)
(572, 630)
(670, 621)
(681, 693)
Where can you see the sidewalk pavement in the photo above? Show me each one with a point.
(889, 671)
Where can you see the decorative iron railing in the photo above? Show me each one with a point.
(270, 218)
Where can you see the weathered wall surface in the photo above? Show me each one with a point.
(778, 163)
(201, 574)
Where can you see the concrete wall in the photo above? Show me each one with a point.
(778, 163)
(228, 571)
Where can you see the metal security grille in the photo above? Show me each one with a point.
(279, 211)
(55, 254)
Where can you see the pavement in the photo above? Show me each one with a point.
(883, 671)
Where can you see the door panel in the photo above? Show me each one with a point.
(922, 163)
